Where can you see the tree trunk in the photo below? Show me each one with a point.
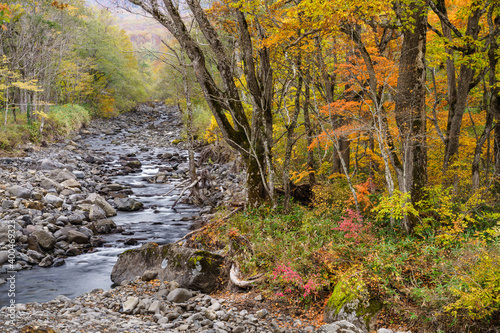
(290, 141)
(239, 134)
(309, 136)
(457, 95)
(410, 106)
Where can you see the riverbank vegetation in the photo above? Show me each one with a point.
(384, 115)
(59, 53)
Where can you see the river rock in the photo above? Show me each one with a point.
(49, 184)
(149, 275)
(96, 199)
(77, 237)
(46, 262)
(342, 326)
(96, 213)
(71, 183)
(134, 164)
(19, 192)
(76, 218)
(4, 256)
(45, 239)
(192, 269)
(179, 295)
(130, 304)
(48, 164)
(128, 204)
(4, 231)
(63, 176)
(104, 226)
(53, 200)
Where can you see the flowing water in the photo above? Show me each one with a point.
(158, 222)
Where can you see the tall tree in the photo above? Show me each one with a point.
(410, 104)
(250, 136)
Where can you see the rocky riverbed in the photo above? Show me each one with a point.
(75, 199)
(61, 200)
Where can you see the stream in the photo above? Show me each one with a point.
(157, 222)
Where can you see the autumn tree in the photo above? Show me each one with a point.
(251, 135)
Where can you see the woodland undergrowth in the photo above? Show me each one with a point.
(443, 277)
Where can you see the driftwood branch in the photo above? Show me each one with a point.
(184, 191)
(236, 280)
(175, 187)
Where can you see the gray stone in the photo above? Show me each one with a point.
(71, 183)
(77, 237)
(96, 213)
(46, 262)
(53, 200)
(342, 326)
(128, 204)
(19, 192)
(76, 219)
(179, 295)
(130, 304)
(172, 316)
(63, 175)
(210, 314)
(192, 269)
(149, 275)
(261, 314)
(45, 239)
(96, 199)
(154, 307)
(7, 204)
(48, 164)
(104, 226)
(4, 256)
(48, 184)
(134, 164)
(79, 174)
(384, 330)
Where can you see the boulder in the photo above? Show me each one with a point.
(350, 301)
(96, 199)
(134, 164)
(45, 239)
(179, 295)
(4, 256)
(342, 326)
(53, 200)
(192, 269)
(19, 192)
(130, 304)
(96, 213)
(71, 183)
(77, 237)
(4, 232)
(104, 226)
(48, 184)
(48, 164)
(76, 218)
(63, 176)
(149, 275)
(128, 204)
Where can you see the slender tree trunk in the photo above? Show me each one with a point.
(410, 106)
(457, 95)
(290, 140)
(309, 136)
